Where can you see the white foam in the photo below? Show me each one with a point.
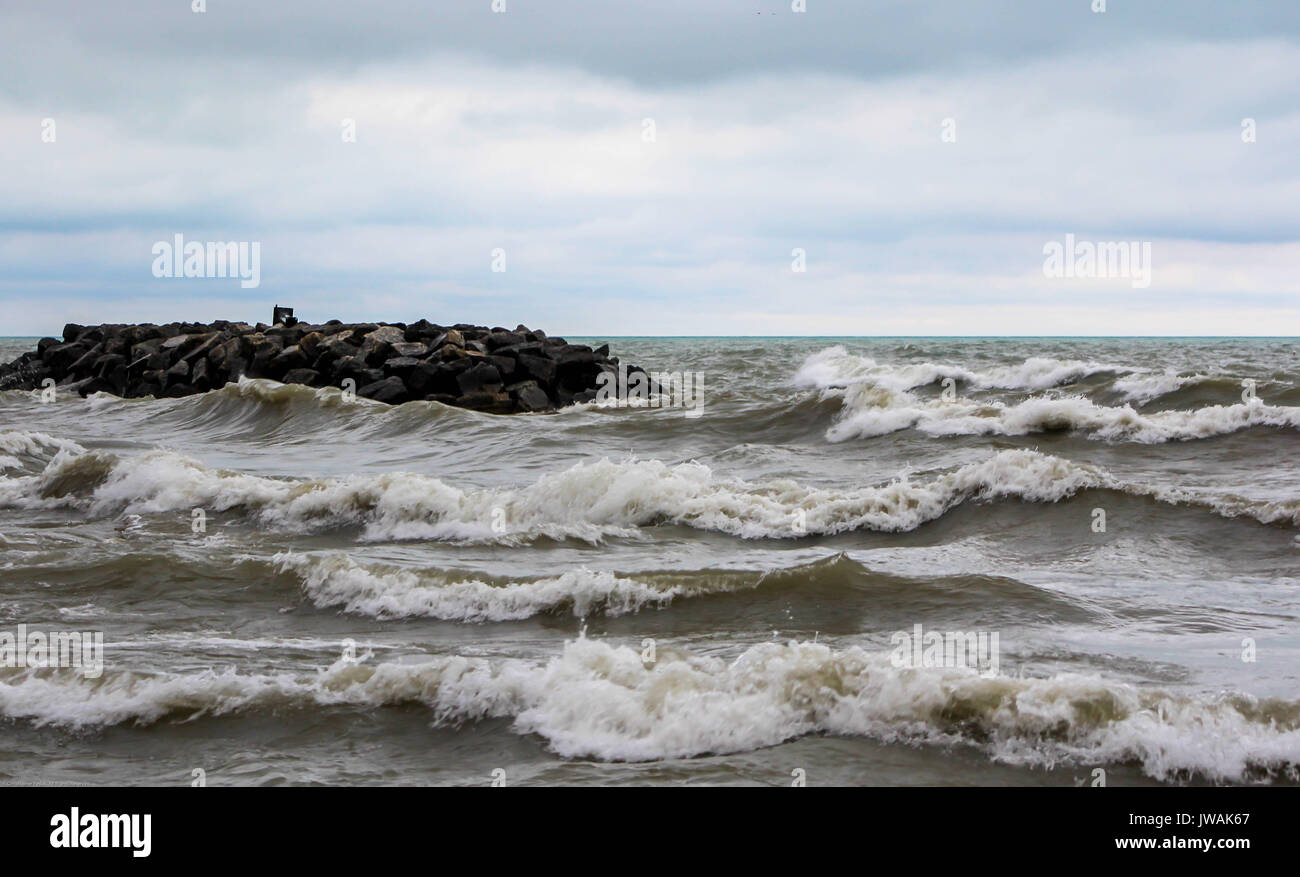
(100, 400)
(1142, 388)
(274, 392)
(590, 501)
(876, 401)
(336, 579)
(17, 443)
(836, 367)
(867, 414)
(599, 700)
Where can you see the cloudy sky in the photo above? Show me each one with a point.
(653, 167)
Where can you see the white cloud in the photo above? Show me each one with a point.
(692, 233)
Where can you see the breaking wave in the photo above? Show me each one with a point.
(836, 367)
(875, 401)
(604, 701)
(383, 591)
(391, 592)
(19, 449)
(588, 501)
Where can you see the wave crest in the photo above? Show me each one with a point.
(604, 701)
(390, 592)
(588, 501)
(836, 367)
(875, 401)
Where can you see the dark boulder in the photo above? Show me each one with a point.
(146, 347)
(421, 378)
(487, 401)
(60, 356)
(117, 342)
(378, 345)
(336, 347)
(528, 396)
(199, 346)
(537, 368)
(400, 365)
(84, 363)
(502, 339)
(506, 366)
(260, 365)
(390, 390)
(307, 376)
(532, 348)
(286, 360)
(106, 363)
(201, 376)
(420, 330)
(576, 368)
(413, 349)
(479, 378)
(449, 352)
(355, 368)
(308, 343)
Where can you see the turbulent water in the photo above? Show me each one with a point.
(422, 594)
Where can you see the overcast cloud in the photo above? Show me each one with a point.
(524, 131)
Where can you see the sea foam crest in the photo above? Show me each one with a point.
(590, 501)
(836, 367)
(19, 447)
(600, 700)
(378, 591)
(867, 414)
(877, 403)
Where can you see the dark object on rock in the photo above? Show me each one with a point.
(493, 370)
(283, 317)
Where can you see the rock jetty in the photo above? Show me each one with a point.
(495, 370)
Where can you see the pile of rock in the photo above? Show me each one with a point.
(496, 370)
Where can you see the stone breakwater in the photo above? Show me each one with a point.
(495, 370)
